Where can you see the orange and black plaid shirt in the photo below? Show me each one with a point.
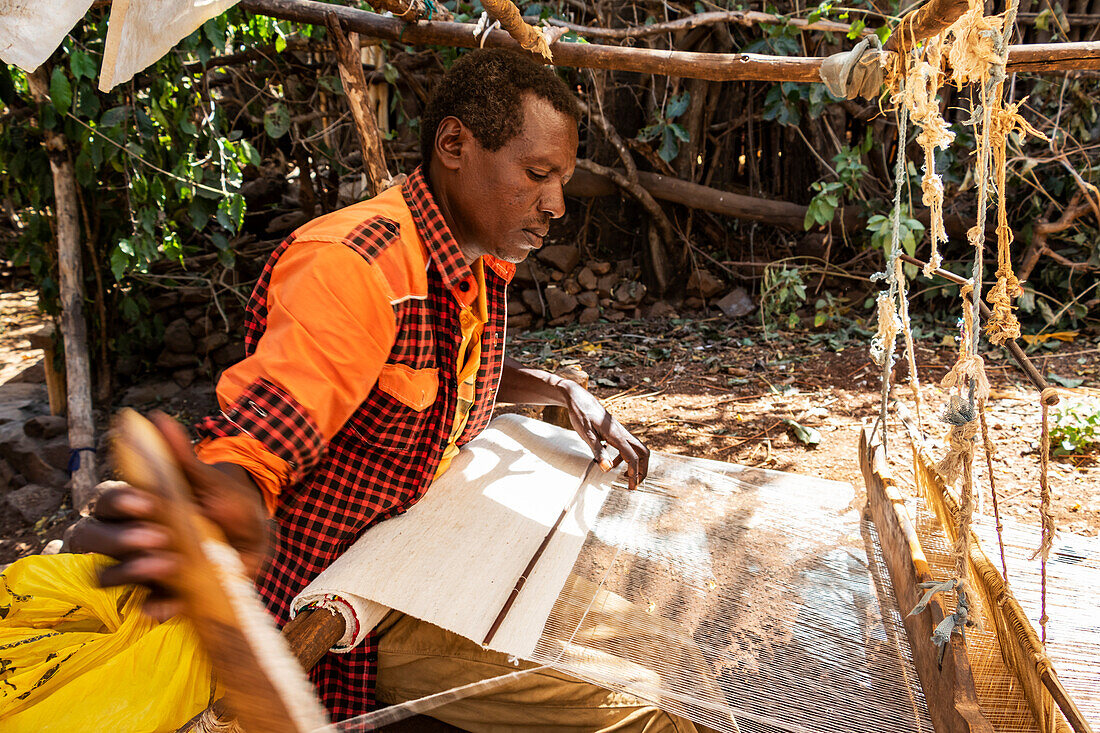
(345, 401)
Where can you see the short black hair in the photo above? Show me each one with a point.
(484, 89)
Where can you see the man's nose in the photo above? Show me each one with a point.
(552, 200)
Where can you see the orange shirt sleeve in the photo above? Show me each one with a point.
(330, 329)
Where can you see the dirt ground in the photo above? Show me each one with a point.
(719, 389)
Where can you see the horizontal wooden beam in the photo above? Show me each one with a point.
(1042, 58)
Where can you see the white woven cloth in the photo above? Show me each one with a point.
(454, 557)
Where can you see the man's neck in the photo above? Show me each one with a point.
(437, 184)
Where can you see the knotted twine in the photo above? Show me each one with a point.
(885, 338)
(922, 98)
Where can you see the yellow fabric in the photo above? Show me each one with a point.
(76, 657)
(472, 321)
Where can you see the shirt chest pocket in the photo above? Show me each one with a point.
(416, 388)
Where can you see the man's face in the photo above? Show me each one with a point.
(503, 200)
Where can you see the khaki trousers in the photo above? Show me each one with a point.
(416, 659)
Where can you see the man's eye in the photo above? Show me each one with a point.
(536, 175)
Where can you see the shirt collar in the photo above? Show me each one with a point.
(441, 244)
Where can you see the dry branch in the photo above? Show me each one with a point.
(355, 90)
(507, 14)
(698, 20)
(1043, 229)
(1043, 58)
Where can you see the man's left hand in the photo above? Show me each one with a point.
(600, 430)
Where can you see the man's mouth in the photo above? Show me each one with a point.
(535, 237)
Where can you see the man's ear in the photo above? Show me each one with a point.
(452, 139)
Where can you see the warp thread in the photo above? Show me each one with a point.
(1048, 396)
(208, 721)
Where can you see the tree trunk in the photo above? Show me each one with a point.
(73, 328)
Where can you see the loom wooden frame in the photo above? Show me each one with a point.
(949, 688)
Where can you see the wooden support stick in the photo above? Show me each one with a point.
(1034, 375)
(355, 90)
(71, 284)
(1043, 58)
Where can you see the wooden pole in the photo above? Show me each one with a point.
(1042, 58)
(73, 327)
(930, 19)
(350, 64)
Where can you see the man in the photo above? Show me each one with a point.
(374, 350)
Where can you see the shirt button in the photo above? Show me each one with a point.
(464, 286)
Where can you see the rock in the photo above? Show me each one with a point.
(285, 222)
(193, 314)
(605, 284)
(562, 320)
(556, 276)
(629, 292)
(614, 316)
(570, 286)
(45, 427)
(528, 273)
(661, 309)
(213, 342)
(195, 295)
(185, 377)
(202, 326)
(229, 354)
(599, 268)
(56, 453)
(34, 374)
(588, 299)
(736, 303)
(177, 337)
(534, 302)
(521, 321)
(153, 392)
(17, 395)
(23, 455)
(606, 302)
(564, 257)
(704, 284)
(587, 278)
(589, 315)
(34, 501)
(52, 547)
(172, 360)
(7, 475)
(559, 302)
(516, 307)
(625, 269)
(693, 303)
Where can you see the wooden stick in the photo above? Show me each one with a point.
(1042, 58)
(931, 19)
(698, 20)
(71, 284)
(265, 687)
(355, 90)
(1034, 375)
(531, 564)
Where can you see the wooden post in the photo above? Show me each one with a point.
(46, 339)
(354, 80)
(73, 328)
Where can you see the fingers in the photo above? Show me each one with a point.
(120, 540)
(154, 569)
(124, 503)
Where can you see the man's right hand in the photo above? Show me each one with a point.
(127, 526)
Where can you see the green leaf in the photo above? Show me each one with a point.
(214, 34)
(82, 65)
(276, 120)
(280, 44)
(61, 91)
(114, 116)
(679, 132)
(669, 147)
(649, 132)
(678, 105)
(805, 435)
